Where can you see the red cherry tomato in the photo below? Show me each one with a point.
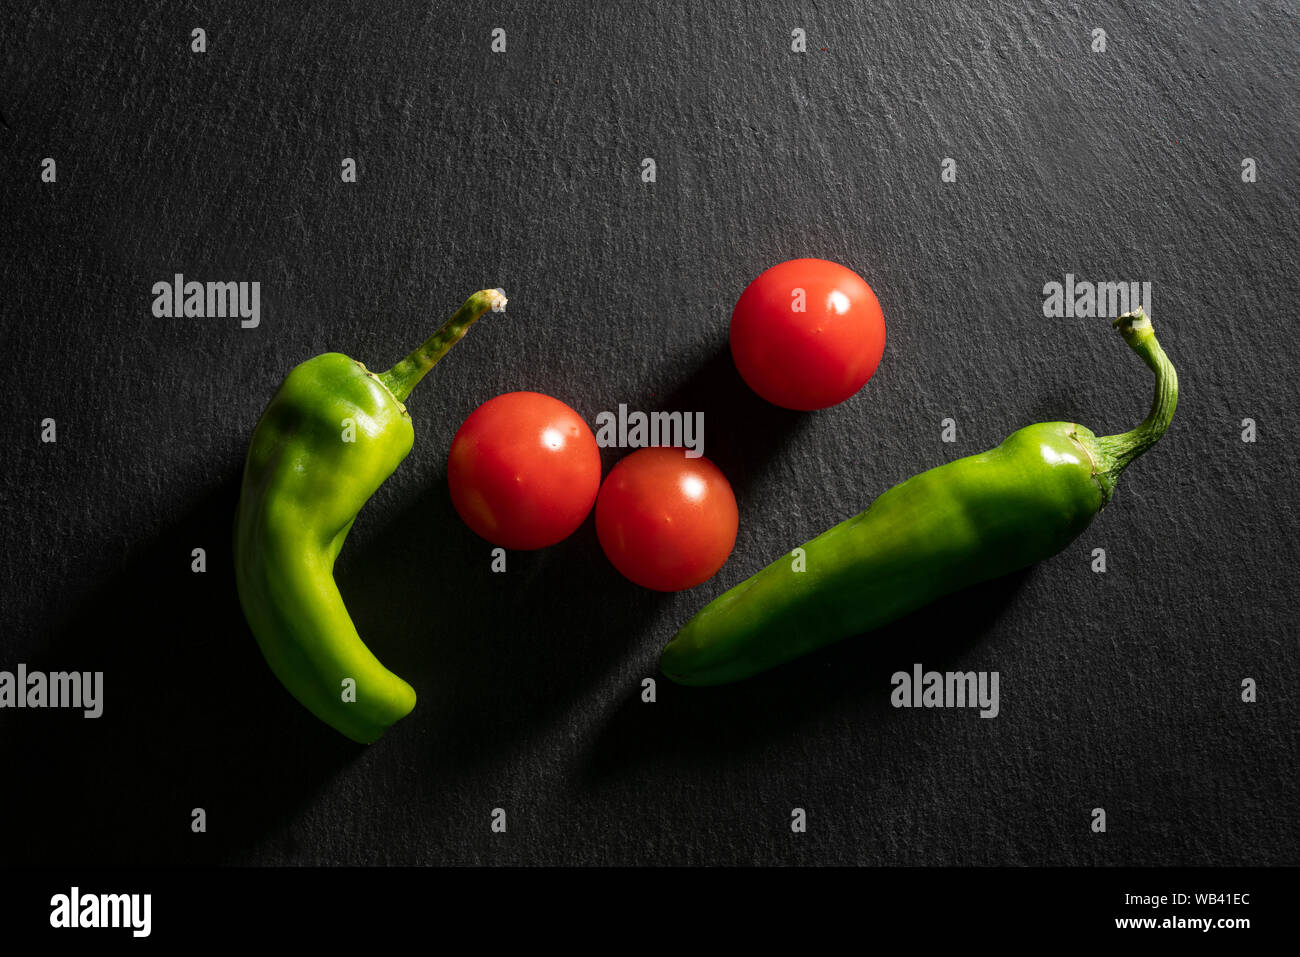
(523, 470)
(807, 334)
(666, 521)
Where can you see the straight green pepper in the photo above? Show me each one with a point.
(330, 436)
(946, 529)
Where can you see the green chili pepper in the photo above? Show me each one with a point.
(940, 531)
(329, 437)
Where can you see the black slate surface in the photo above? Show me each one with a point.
(1119, 690)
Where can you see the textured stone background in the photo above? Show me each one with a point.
(521, 170)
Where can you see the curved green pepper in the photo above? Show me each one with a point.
(329, 437)
(940, 531)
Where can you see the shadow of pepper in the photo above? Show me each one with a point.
(700, 723)
(187, 701)
(493, 656)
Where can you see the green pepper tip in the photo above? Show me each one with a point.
(402, 378)
(1134, 326)
(1118, 451)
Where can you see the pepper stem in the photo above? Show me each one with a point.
(1120, 450)
(404, 376)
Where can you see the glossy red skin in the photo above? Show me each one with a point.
(523, 470)
(813, 359)
(656, 532)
